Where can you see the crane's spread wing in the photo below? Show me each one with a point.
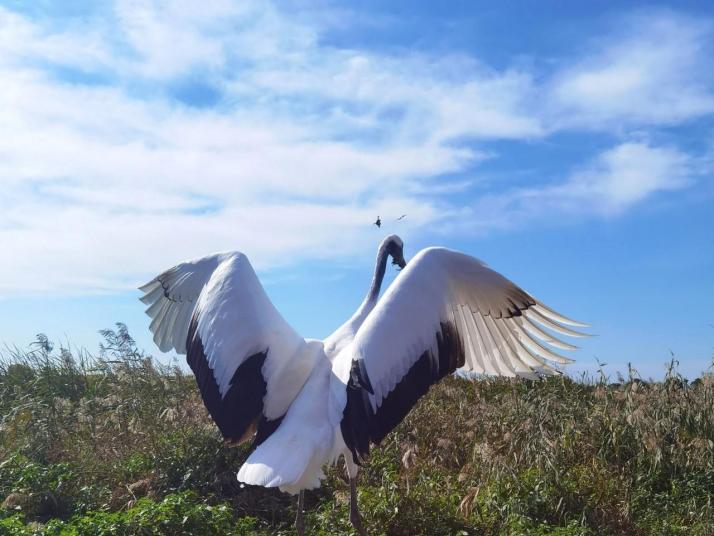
(248, 362)
(445, 311)
(171, 297)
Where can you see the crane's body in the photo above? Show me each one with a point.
(306, 403)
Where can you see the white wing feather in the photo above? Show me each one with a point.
(498, 323)
(171, 297)
(235, 320)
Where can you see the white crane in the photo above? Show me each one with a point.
(306, 402)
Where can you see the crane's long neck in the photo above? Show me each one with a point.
(380, 267)
(345, 333)
(370, 300)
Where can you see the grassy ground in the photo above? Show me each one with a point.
(116, 444)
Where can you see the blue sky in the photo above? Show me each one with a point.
(569, 145)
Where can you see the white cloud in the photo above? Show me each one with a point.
(656, 71)
(22, 40)
(102, 187)
(614, 181)
(104, 183)
(430, 100)
(625, 175)
(89, 249)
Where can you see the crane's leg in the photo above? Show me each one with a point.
(300, 516)
(355, 517)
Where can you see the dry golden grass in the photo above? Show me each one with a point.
(116, 444)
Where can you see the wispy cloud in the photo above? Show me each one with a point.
(612, 182)
(656, 70)
(623, 176)
(110, 171)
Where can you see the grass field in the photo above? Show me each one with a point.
(117, 444)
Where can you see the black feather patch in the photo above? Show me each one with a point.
(265, 429)
(361, 425)
(237, 413)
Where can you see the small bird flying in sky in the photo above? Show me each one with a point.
(401, 217)
(378, 223)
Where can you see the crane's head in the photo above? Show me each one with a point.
(395, 248)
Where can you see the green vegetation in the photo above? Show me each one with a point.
(118, 444)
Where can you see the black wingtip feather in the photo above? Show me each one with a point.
(265, 430)
(361, 425)
(359, 373)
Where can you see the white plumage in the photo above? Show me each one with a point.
(307, 401)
